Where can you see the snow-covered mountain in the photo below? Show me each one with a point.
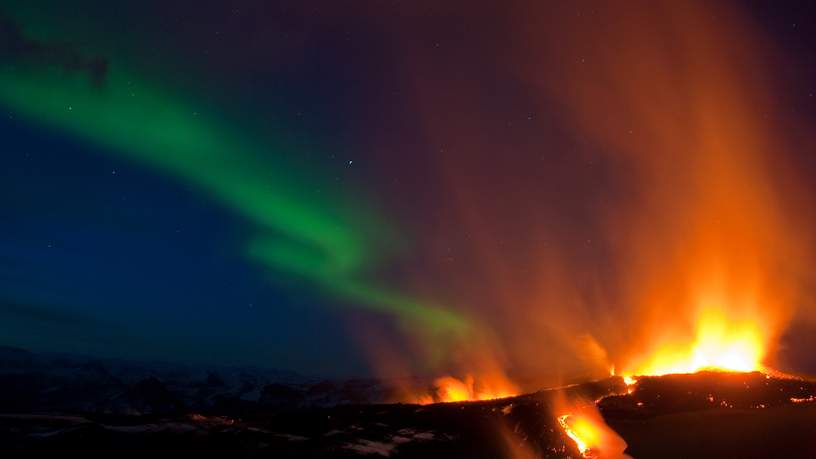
(45, 382)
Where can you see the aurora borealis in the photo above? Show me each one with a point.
(305, 185)
(323, 241)
(311, 238)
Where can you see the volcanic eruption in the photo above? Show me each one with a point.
(708, 254)
(588, 235)
(697, 252)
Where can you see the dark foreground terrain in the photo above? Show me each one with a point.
(718, 415)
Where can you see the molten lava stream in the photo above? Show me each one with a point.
(593, 438)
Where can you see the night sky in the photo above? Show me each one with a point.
(318, 186)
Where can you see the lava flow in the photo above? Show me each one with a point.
(593, 438)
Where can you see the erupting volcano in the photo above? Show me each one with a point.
(460, 229)
(705, 254)
(718, 344)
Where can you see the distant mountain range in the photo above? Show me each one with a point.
(60, 383)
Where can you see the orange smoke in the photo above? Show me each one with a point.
(450, 389)
(475, 373)
(613, 188)
(677, 94)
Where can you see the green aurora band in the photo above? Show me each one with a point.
(297, 233)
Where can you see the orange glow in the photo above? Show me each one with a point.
(593, 438)
(707, 247)
(583, 432)
(719, 344)
(668, 231)
(450, 389)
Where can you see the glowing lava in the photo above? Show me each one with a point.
(582, 432)
(591, 435)
(450, 389)
(719, 344)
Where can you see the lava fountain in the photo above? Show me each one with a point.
(719, 344)
(450, 389)
(698, 253)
